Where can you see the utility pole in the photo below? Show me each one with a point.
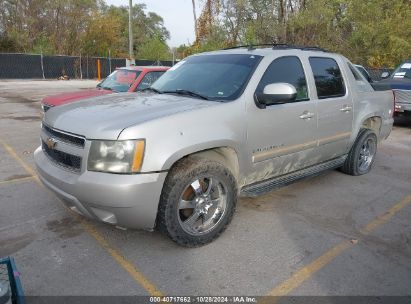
(195, 19)
(130, 33)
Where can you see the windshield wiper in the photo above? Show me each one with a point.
(110, 89)
(152, 90)
(187, 92)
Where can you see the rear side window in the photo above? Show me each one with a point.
(355, 73)
(289, 70)
(403, 71)
(328, 78)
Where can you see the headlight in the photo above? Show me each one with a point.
(125, 156)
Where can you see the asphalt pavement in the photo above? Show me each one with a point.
(332, 234)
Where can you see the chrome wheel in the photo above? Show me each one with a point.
(202, 205)
(367, 154)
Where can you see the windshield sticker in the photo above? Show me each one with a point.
(406, 66)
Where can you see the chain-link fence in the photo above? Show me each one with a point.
(14, 66)
(376, 73)
(33, 66)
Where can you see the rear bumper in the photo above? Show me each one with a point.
(129, 201)
(403, 108)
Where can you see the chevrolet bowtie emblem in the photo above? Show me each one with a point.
(51, 143)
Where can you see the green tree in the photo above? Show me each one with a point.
(154, 49)
(72, 27)
(146, 26)
(381, 33)
(372, 32)
(105, 32)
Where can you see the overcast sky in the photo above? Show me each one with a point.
(177, 15)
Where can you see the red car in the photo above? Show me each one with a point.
(127, 79)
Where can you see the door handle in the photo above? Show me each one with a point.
(346, 108)
(307, 115)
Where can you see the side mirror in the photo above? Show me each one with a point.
(385, 75)
(276, 93)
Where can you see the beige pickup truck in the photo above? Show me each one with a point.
(217, 125)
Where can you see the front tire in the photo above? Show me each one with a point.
(197, 202)
(362, 154)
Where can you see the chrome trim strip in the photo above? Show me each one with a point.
(63, 145)
(333, 138)
(276, 152)
(44, 129)
(261, 156)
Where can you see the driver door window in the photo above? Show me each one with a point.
(289, 70)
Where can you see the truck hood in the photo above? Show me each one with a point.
(394, 84)
(105, 117)
(60, 99)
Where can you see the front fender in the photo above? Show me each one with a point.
(173, 158)
(170, 138)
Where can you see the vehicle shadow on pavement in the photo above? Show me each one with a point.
(402, 122)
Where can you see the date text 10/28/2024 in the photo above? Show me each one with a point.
(203, 299)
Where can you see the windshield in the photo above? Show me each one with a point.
(119, 80)
(403, 71)
(213, 77)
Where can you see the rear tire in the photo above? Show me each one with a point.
(197, 202)
(362, 154)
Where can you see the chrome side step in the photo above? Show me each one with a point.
(268, 185)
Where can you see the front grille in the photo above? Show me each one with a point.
(403, 96)
(69, 161)
(71, 139)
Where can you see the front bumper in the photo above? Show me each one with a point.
(129, 201)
